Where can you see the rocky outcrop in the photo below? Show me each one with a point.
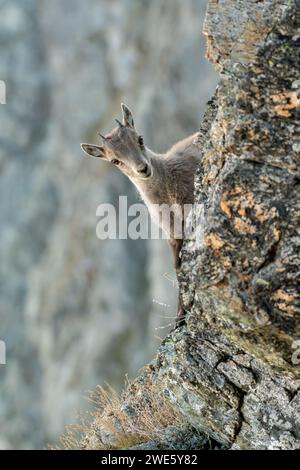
(71, 316)
(233, 369)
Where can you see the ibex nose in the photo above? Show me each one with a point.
(143, 169)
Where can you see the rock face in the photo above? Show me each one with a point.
(76, 311)
(234, 368)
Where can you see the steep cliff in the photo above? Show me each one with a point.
(233, 370)
(76, 311)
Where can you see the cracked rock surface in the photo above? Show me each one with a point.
(76, 311)
(233, 369)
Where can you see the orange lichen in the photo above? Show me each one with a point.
(236, 190)
(280, 111)
(277, 233)
(243, 227)
(242, 211)
(236, 204)
(289, 309)
(288, 100)
(260, 214)
(214, 242)
(225, 207)
(282, 295)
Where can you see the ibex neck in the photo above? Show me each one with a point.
(152, 189)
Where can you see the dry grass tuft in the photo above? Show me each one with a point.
(141, 414)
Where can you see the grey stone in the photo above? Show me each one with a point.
(230, 369)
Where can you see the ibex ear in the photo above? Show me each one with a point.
(93, 150)
(127, 116)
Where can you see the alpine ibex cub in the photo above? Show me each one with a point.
(162, 179)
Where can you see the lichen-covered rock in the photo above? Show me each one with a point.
(70, 314)
(233, 369)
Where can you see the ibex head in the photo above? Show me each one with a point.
(123, 147)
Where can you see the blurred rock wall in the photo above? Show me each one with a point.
(76, 311)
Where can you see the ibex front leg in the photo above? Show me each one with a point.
(176, 245)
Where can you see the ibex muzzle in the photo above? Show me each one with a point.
(125, 148)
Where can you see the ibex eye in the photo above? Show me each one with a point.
(115, 162)
(141, 141)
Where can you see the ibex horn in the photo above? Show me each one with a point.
(119, 123)
(102, 137)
